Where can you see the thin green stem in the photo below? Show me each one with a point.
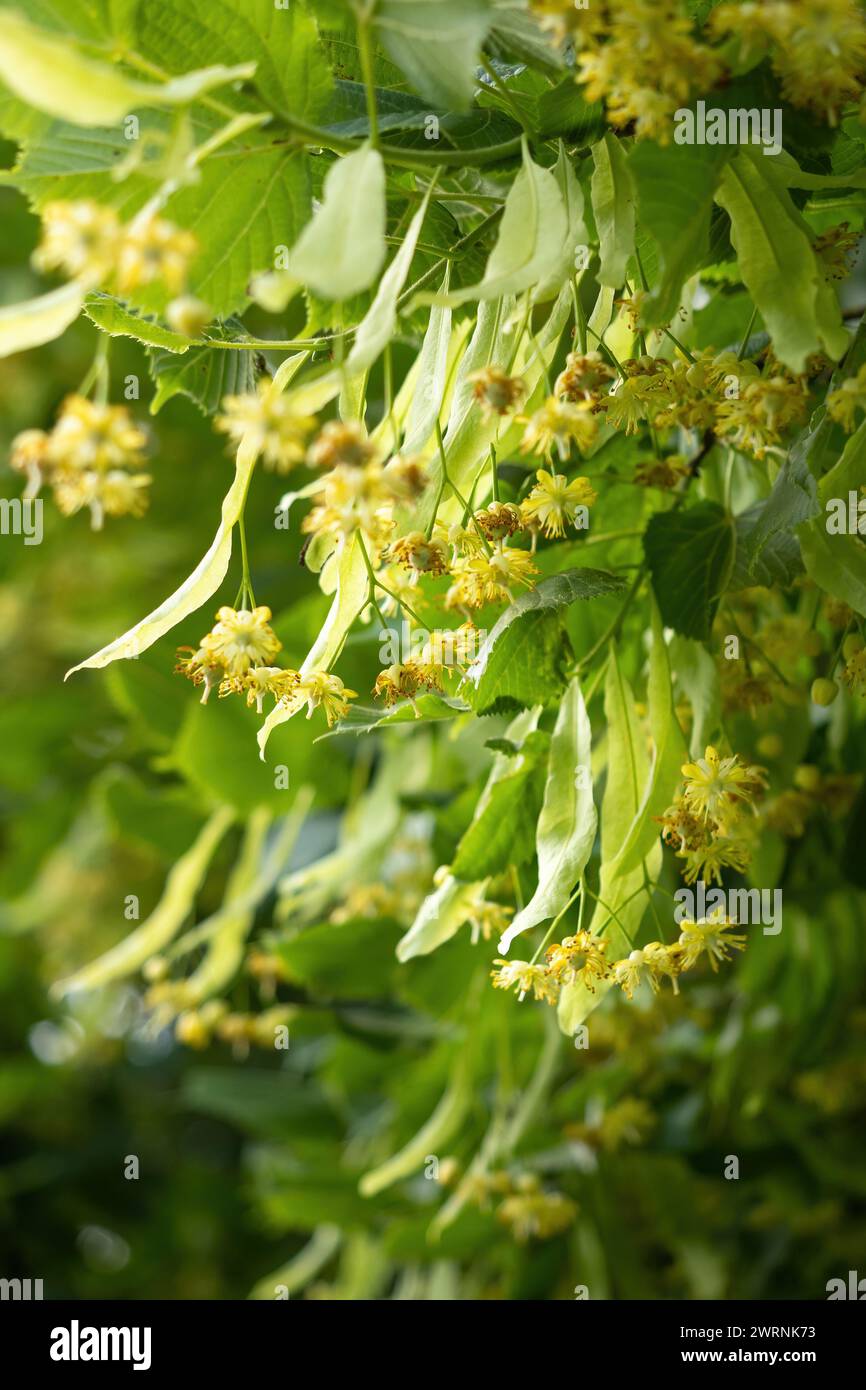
(494, 473)
(502, 89)
(460, 498)
(365, 49)
(747, 335)
(617, 623)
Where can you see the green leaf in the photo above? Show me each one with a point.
(341, 251)
(837, 563)
(566, 828)
(776, 561)
(674, 187)
(576, 233)
(436, 43)
(351, 960)
(363, 720)
(245, 206)
(292, 73)
(501, 830)
(792, 500)
(119, 322)
(690, 554)
(206, 375)
(269, 1104)
(521, 659)
(613, 208)
(158, 818)
(778, 265)
(517, 34)
(524, 665)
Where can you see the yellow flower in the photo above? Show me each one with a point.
(712, 936)
(537, 1215)
(415, 552)
(402, 682)
(124, 494)
(260, 681)
(75, 489)
(525, 978)
(642, 60)
(817, 47)
(662, 963)
(154, 249)
(854, 672)
(198, 666)
(656, 961)
(81, 239)
(406, 477)
(665, 473)
(578, 959)
(89, 435)
(554, 501)
(583, 377)
(486, 918)
(715, 786)
(241, 639)
(484, 578)
(707, 863)
(319, 689)
(499, 520)
(29, 455)
(682, 829)
(633, 401)
(353, 499)
(560, 423)
(277, 431)
(835, 250)
(496, 392)
(627, 973)
(341, 443)
(755, 420)
(843, 403)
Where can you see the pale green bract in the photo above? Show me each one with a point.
(51, 74)
(342, 248)
(568, 820)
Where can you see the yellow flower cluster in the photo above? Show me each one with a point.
(847, 400)
(530, 1211)
(91, 458)
(747, 408)
(644, 59)
(235, 657)
(197, 1028)
(702, 824)
(817, 47)
(88, 242)
(641, 58)
(582, 960)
